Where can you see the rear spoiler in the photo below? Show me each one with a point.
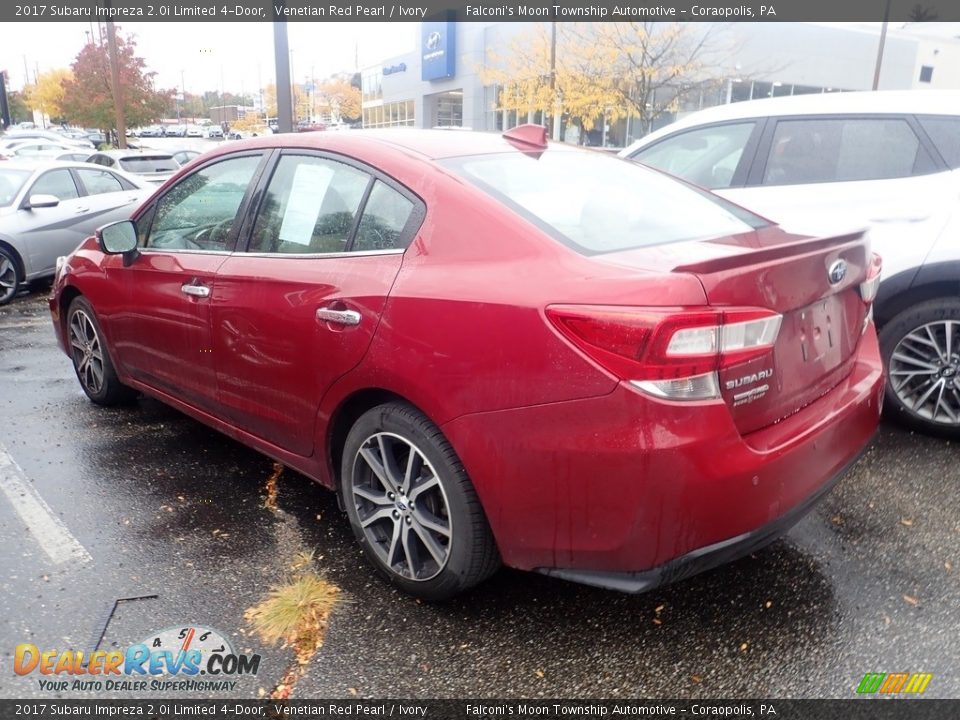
(775, 252)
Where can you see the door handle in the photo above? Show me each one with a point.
(200, 291)
(81, 210)
(341, 317)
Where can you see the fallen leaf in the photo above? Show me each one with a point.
(948, 565)
(352, 691)
(696, 678)
(836, 520)
(911, 600)
(768, 604)
(659, 608)
(743, 647)
(906, 522)
(538, 673)
(657, 621)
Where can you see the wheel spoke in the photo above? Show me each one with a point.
(923, 398)
(392, 558)
(410, 551)
(933, 342)
(383, 513)
(371, 459)
(431, 522)
(418, 490)
(414, 468)
(389, 460)
(370, 496)
(436, 551)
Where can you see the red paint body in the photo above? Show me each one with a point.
(575, 467)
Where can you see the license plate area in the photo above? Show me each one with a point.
(819, 329)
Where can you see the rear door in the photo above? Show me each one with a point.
(820, 174)
(300, 307)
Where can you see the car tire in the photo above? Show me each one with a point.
(417, 516)
(9, 276)
(921, 354)
(91, 359)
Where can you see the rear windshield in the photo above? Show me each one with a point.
(595, 203)
(148, 164)
(10, 183)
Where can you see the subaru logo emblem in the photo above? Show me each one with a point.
(837, 271)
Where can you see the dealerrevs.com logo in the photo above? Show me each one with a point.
(171, 660)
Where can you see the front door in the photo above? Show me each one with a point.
(300, 308)
(162, 335)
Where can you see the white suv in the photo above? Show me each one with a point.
(889, 161)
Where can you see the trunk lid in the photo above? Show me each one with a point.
(823, 316)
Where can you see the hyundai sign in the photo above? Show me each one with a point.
(438, 50)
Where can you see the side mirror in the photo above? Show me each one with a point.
(43, 201)
(119, 238)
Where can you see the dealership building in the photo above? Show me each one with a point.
(439, 84)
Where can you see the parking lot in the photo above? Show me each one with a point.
(144, 501)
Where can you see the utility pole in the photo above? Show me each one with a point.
(883, 40)
(557, 109)
(121, 122)
(281, 53)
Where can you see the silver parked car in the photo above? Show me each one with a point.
(149, 165)
(48, 208)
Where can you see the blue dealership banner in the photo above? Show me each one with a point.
(438, 50)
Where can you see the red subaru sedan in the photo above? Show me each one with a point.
(496, 350)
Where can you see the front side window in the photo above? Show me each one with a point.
(10, 183)
(706, 156)
(97, 182)
(58, 183)
(599, 204)
(146, 164)
(309, 207)
(198, 212)
(842, 150)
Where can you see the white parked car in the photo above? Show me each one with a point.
(889, 161)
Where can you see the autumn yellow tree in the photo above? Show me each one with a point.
(46, 95)
(604, 70)
(341, 98)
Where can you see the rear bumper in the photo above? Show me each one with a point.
(705, 558)
(630, 490)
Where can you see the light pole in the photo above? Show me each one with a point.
(883, 40)
(557, 109)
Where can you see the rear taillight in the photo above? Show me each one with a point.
(668, 352)
(870, 286)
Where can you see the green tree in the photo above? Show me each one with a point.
(88, 96)
(19, 111)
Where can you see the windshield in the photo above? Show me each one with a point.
(598, 204)
(148, 164)
(10, 183)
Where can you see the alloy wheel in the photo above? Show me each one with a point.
(8, 278)
(87, 351)
(402, 507)
(925, 372)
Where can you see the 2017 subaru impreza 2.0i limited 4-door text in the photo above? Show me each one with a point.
(495, 350)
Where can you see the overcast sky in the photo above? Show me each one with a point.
(243, 50)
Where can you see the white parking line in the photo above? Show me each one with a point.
(48, 530)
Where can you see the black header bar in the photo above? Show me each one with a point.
(900, 11)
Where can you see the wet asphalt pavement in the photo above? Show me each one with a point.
(868, 582)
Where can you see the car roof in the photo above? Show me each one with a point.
(914, 102)
(427, 144)
(120, 154)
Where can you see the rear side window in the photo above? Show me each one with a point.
(146, 164)
(309, 207)
(706, 156)
(598, 204)
(844, 149)
(945, 133)
(384, 218)
(100, 181)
